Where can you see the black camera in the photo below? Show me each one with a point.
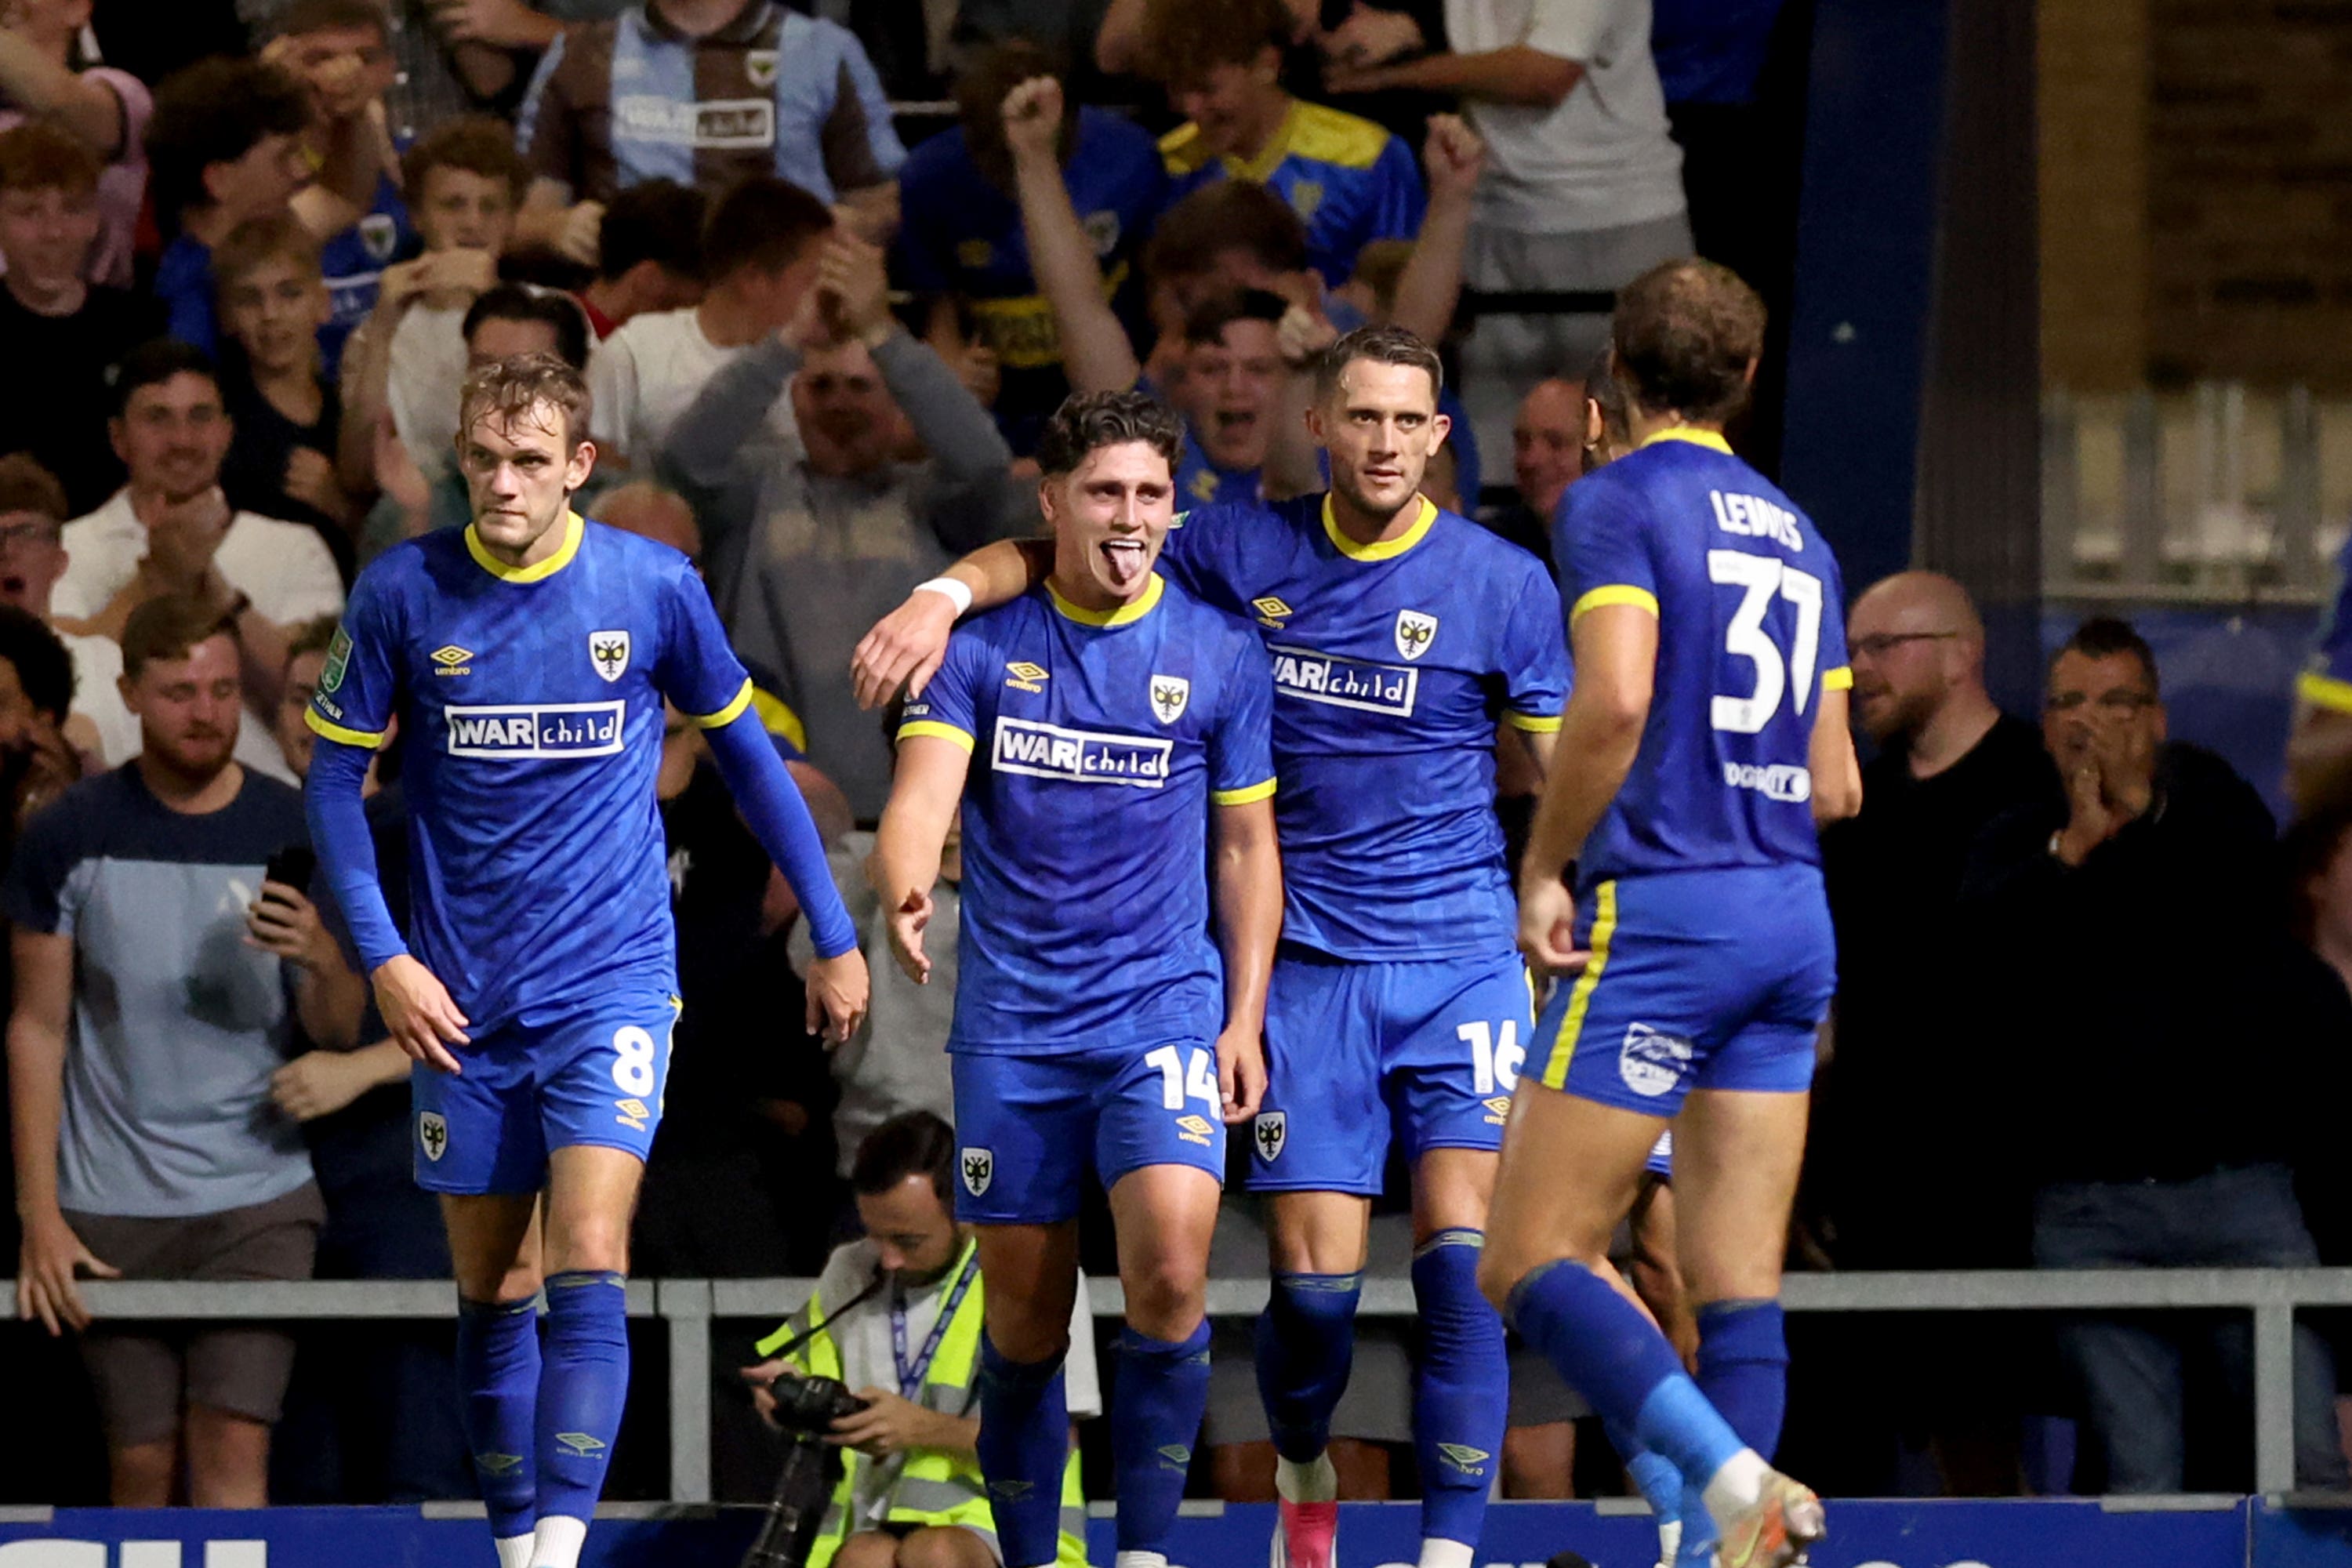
(807, 1408)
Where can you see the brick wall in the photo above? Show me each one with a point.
(2093, 98)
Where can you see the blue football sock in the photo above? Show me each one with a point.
(1306, 1343)
(1608, 1352)
(1025, 1442)
(582, 1389)
(497, 1372)
(1743, 1368)
(1461, 1387)
(1163, 1392)
(1653, 1474)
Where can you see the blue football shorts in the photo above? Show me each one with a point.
(590, 1074)
(1426, 1050)
(1032, 1129)
(1715, 979)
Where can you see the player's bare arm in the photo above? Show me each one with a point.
(913, 835)
(1837, 773)
(1616, 650)
(1249, 920)
(906, 646)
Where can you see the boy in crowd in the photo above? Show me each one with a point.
(273, 303)
(224, 145)
(463, 181)
(50, 316)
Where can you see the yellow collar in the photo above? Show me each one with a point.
(1379, 548)
(574, 529)
(1134, 610)
(1258, 170)
(1691, 433)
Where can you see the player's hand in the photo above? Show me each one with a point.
(1241, 1074)
(907, 923)
(418, 1013)
(1453, 154)
(284, 921)
(1547, 926)
(839, 990)
(1301, 335)
(46, 1263)
(905, 648)
(1032, 118)
(890, 1424)
(317, 1083)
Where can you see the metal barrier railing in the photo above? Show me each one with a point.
(2273, 1296)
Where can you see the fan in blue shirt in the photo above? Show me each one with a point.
(525, 659)
(961, 244)
(1106, 735)
(1706, 737)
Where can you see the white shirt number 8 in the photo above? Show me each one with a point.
(1761, 577)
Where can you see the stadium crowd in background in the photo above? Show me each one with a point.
(247, 260)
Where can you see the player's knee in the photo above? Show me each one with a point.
(1500, 1270)
(595, 1243)
(1166, 1298)
(1027, 1338)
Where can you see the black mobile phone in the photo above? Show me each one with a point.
(293, 867)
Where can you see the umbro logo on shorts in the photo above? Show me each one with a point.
(1195, 1129)
(979, 1169)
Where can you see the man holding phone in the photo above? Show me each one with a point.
(163, 949)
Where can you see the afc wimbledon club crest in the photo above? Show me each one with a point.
(1169, 695)
(432, 1135)
(380, 235)
(609, 651)
(1415, 633)
(1271, 1130)
(979, 1171)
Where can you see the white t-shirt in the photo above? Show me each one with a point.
(647, 374)
(283, 567)
(426, 373)
(867, 1359)
(1603, 159)
(97, 665)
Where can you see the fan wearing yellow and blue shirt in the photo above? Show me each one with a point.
(1706, 738)
(526, 659)
(2319, 748)
(1350, 181)
(1106, 736)
(1403, 640)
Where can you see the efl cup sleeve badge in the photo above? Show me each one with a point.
(1169, 695)
(1415, 633)
(609, 652)
(979, 1168)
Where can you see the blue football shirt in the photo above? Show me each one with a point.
(962, 237)
(530, 703)
(1393, 664)
(1350, 181)
(1752, 630)
(1100, 741)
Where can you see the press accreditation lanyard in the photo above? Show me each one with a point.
(911, 1374)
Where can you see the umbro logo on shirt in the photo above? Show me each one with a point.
(1024, 676)
(452, 659)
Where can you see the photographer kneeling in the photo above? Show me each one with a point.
(896, 1319)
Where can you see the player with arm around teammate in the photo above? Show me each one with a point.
(1402, 638)
(1106, 734)
(526, 659)
(1709, 734)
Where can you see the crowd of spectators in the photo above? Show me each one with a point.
(248, 250)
